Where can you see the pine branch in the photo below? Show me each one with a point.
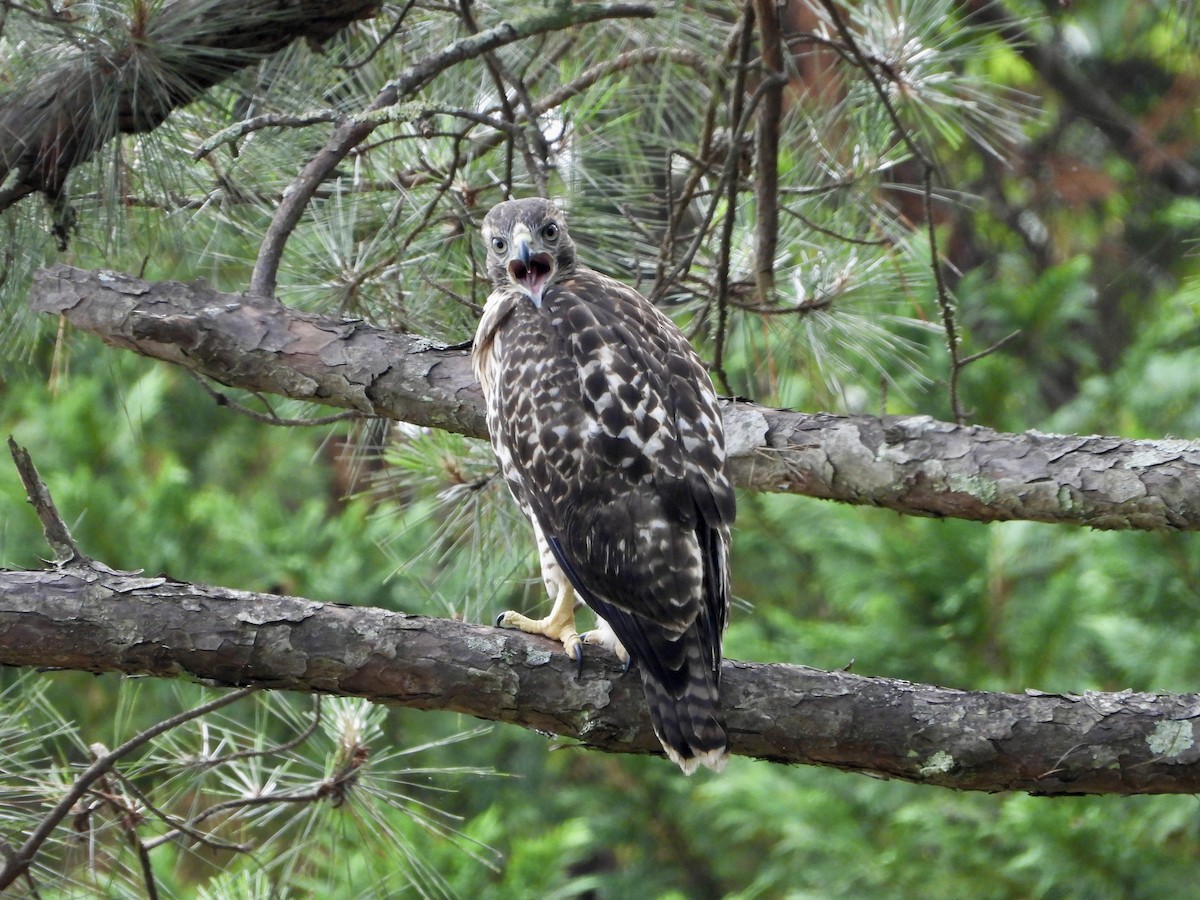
(19, 862)
(914, 465)
(352, 132)
(766, 149)
(57, 123)
(83, 617)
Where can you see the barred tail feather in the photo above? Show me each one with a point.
(689, 727)
(684, 699)
(681, 674)
(681, 680)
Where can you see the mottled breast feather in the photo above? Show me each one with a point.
(608, 430)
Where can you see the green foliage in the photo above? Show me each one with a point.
(126, 445)
(334, 781)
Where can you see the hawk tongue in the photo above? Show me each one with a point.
(532, 276)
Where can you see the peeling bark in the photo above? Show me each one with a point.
(258, 344)
(83, 616)
(911, 464)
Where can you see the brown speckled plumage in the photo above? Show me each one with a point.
(608, 432)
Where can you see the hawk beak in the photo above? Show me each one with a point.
(530, 271)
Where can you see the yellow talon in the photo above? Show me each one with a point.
(555, 629)
(558, 626)
(563, 632)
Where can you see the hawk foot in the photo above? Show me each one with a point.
(602, 635)
(557, 628)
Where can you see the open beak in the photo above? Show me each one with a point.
(530, 271)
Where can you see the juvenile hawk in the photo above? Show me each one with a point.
(607, 429)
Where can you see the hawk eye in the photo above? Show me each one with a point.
(499, 244)
(550, 231)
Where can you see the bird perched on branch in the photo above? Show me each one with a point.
(607, 428)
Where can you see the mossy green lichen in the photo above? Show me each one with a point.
(981, 488)
(1171, 738)
(939, 763)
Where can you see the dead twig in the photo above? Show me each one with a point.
(269, 418)
(58, 536)
(351, 132)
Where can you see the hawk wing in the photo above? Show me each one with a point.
(608, 431)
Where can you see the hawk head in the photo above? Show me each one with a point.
(528, 247)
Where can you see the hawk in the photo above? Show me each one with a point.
(607, 429)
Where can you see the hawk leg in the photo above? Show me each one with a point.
(559, 625)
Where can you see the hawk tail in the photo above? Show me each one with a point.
(681, 675)
(687, 719)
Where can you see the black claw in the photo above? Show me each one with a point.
(578, 661)
(628, 665)
(499, 618)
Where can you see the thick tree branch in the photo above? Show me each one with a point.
(84, 617)
(914, 464)
(61, 120)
